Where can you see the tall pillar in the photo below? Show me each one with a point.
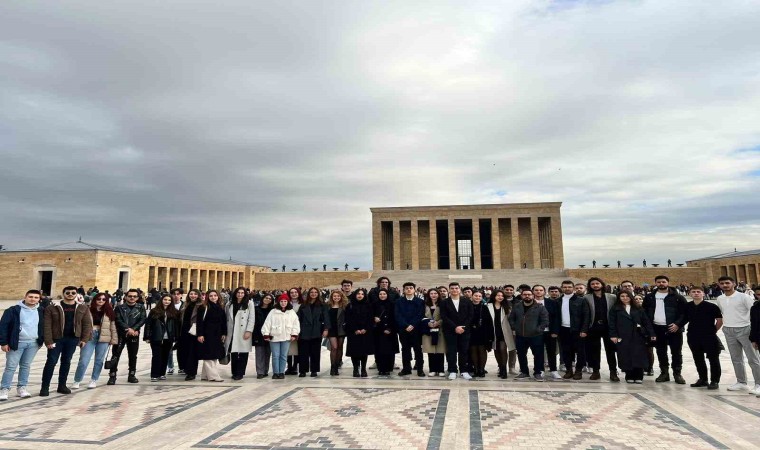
(558, 252)
(377, 246)
(396, 245)
(415, 245)
(433, 244)
(516, 243)
(476, 244)
(535, 242)
(495, 243)
(452, 245)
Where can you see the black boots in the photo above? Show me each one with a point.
(678, 378)
(664, 376)
(334, 370)
(356, 371)
(112, 380)
(503, 372)
(131, 378)
(699, 383)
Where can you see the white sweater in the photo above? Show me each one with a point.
(281, 325)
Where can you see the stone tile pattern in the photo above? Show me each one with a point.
(99, 416)
(578, 420)
(356, 418)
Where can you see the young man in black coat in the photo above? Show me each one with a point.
(704, 319)
(666, 309)
(456, 315)
(575, 319)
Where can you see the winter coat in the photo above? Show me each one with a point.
(675, 308)
(340, 326)
(244, 321)
(127, 317)
(528, 323)
(359, 317)
(453, 318)
(555, 315)
(754, 322)
(427, 336)
(385, 344)
(580, 314)
(313, 319)
(634, 330)
(409, 312)
(280, 325)
(108, 331)
(261, 316)
(506, 329)
(157, 327)
(293, 347)
(211, 323)
(10, 326)
(481, 326)
(55, 321)
(610, 298)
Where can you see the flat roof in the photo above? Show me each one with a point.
(79, 246)
(731, 255)
(467, 207)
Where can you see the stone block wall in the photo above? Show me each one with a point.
(276, 280)
(641, 275)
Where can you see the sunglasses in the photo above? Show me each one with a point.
(131, 296)
(70, 293)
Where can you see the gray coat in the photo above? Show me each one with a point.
(531, 323)
(590, 300)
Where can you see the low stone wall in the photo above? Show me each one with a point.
(641, 275)
(277, 280)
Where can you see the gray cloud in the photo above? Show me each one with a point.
(265, 132)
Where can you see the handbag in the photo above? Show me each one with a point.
(226, 360)
(112, 363)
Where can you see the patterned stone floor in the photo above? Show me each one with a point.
(374, 413)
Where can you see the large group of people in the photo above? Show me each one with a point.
(564, 327)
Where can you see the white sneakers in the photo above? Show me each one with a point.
(93, 384)
(755, 390)
(452, 376)
(22, 392)
(75, 385)
(4, 393)
(737, 387)
(554, 375)
(466, 376)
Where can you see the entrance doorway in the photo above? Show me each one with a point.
(123, 280)
(46, 281)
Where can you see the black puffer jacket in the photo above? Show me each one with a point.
(261, 316)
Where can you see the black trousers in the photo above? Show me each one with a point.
(64, 350)
(573, 348)
(133, 345)
(596, 335)
(385, 361)
(634, 374)
(308, 354)
(666, 339)
(550, 343)
(536, 346)
(160, 357)
(186, 356)
(359, 362)
(435, 362)
(293, 361)
(238, 364)
(457, 345)
(411, 341)
(698, 350)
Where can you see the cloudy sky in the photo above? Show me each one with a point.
(266, 130)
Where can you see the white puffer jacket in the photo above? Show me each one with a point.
(281, 325)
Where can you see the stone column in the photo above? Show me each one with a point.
(396, 245)
(433, 244)
(476, 244)
(558, 251)
(535, 241)
(377, 246)
(452, 245)
(495, 243)
(415, 245)
(516, 243)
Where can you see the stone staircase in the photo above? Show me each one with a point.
(427, 278)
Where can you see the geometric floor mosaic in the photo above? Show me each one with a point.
(99, 416)
(584, 420)
(345, 418)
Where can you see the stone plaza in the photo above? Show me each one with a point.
(375, 413)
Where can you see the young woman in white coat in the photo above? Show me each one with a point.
(504, 341)
(280, 329)
(241, 320)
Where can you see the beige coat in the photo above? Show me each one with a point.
(427, 340)
(293, 349)
(108, 331)
(509, 339)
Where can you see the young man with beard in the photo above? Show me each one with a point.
(551, 334)
(600, 303)
(528, 320)
(21, 336)
(575, 319)
(666, 309)
(737, 327)
(130, 317)
(68, 325)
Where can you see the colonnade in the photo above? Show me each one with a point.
(164, 277)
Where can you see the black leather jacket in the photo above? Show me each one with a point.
(127, 317)
(580, 314)
(675, 308)
(156, 327)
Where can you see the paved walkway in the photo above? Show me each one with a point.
(348, 413)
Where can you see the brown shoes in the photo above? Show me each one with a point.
(578, 375)
(568, 375)
(595, 375)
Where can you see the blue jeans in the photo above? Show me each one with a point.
(22, 357)
(536, 346)
(170, 361)
(93, 346)
(279, 355)
(64, 349)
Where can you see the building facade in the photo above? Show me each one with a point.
(742, 266)
(464, 237)
(110, 268)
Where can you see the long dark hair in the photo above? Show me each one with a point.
(504, 303)
(244, 302)
(159, 310)
(588, 285)
(429, 301)
(619, 303)
(107, 308)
